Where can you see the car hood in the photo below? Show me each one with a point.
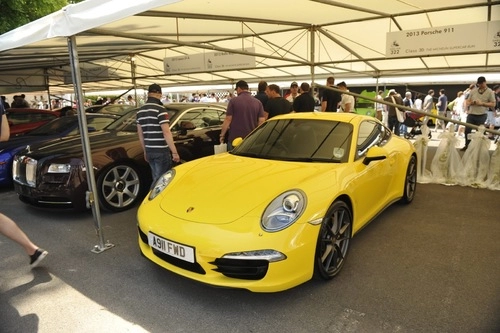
(222, 188)
(21, 141)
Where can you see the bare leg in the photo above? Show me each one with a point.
(10, 229)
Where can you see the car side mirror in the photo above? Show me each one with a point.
(236, 142)
(375, 153)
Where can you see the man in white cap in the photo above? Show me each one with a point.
(294, 92)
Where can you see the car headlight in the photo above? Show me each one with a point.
(59, 168)
(283, 211)
(161, 184)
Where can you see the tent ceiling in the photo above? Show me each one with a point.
(347, 40)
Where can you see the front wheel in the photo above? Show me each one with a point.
(410, 184)
(119, 187)
(333, 241)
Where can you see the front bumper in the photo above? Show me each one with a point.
(212, 242)
(53, 196)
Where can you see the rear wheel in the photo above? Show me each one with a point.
(333, 241)
(119, 187)
(410, 184)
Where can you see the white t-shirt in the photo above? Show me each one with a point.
(346, 99)
(418, 104)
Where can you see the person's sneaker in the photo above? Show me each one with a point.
(37, 257)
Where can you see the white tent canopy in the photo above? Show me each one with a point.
(125, 42)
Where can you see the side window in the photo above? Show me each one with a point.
(129, 123)
(199, 118)
(370, 134)
(16, 118)
(213, 117)
(191, 119)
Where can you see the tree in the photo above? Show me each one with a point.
(16, 13)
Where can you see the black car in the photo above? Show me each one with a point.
(53, 174)
(59, 128)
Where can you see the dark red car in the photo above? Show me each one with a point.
(22, 120)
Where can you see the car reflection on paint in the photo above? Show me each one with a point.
(23, 120)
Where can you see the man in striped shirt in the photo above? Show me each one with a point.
(153, 127)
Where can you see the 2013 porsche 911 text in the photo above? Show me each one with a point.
(282, 206)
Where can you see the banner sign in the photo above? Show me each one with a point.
(472, 37)
(22, 81)
(90, 73)
(207, 62)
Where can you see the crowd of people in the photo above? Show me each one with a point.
(476, 105)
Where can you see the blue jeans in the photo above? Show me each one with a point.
(394, 124)
(160, 163)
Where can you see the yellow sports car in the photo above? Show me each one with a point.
(282, 206)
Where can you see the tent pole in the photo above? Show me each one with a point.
(312, 54)
(133, 66)
(82, 123)
(47, 87)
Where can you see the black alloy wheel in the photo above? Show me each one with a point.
(119, 187)
(410, 184)
(333, 241)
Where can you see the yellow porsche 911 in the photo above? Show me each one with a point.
(282, 206)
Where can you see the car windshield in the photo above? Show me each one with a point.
(117, 109)
(61, 125)
(306, 140)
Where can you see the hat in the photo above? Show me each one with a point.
(294, 84)
(392, 92)
(342, 84)
(481, 79)
(154, 88)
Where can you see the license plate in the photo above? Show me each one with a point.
(173, 249)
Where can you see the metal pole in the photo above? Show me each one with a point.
(82, 123)
(133, 72)
(47, 86)
(312, 55)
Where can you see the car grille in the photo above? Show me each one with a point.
(241, 268)
(192, 267)
(24, 170)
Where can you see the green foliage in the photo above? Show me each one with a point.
(16, 13)
(369, 94)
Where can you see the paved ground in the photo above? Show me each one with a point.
(433, 266)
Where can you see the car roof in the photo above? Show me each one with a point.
(30, 110)
(334, 116)
(184, 106)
